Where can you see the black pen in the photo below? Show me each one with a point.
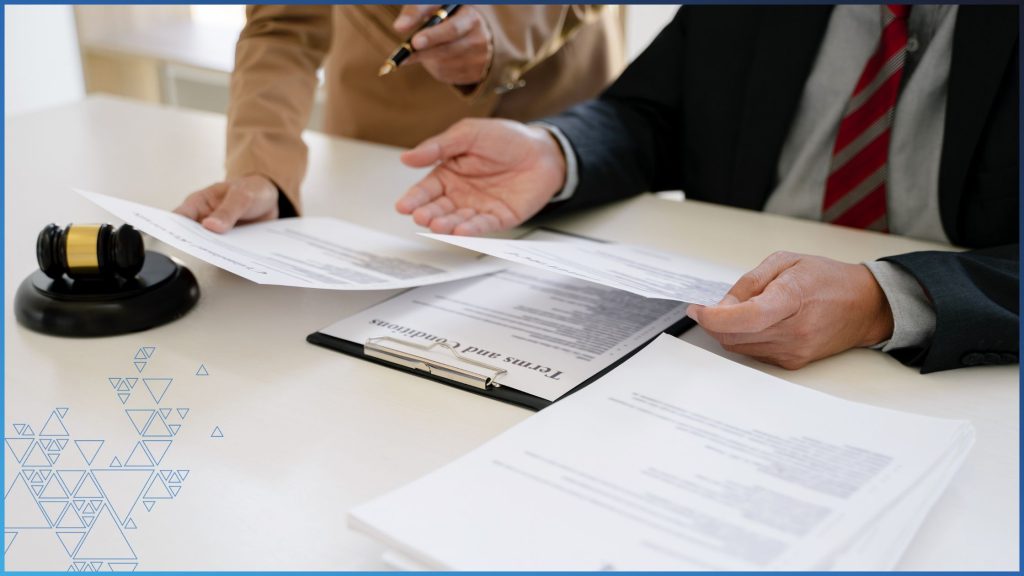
(406, 50)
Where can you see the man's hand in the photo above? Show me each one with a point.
(219, 207)
(492, 175)
(793, 309)
(457, 51)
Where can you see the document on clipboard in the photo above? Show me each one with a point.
(522, 335)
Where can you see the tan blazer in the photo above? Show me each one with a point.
(545, 59)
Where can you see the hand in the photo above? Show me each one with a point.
(493, 175)
(793, 309)
(457, 51)
(219, 207)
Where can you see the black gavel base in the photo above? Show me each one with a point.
(163, 290)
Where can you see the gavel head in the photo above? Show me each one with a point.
(90, 251)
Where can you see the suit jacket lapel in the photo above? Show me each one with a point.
(785, 50)
(983, 42)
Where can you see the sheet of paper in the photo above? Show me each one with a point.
(678, 459)
(885, 540)
(637, 269)
(550, 332)
(304, 252)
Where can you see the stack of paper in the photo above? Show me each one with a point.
(333, 254)
(679, 459)
(322, 253)
(637, 269)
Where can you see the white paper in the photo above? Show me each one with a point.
(548, 331)
(304, 252)
(676, 460)
(637, 269)
(885, 540)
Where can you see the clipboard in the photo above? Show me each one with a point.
(458, 371)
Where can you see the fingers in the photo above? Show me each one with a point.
(746, 307)
(752, 283)
(455, 27)
(424, 191)
(412, 15)
(462, 62)
(229, 212)
(426, 153)
(780, 299)
(446, 223)
(199, 205)
(425, 215)
(452, 142)
(477, 225)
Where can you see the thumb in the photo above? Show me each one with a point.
(448, 144)
(754, 282)
(412, 15)
(227, 214)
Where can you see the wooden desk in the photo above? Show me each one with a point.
(308, 433)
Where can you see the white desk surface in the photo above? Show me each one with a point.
(309, 433)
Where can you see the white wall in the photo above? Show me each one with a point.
(643, 22)
(41, 62)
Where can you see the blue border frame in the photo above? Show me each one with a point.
(3, 321)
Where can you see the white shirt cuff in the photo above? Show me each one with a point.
(572, 174)
(912, 313)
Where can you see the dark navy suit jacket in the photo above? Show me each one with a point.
(707, 107)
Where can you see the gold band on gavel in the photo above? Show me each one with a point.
(80, 246)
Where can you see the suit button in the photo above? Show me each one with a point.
(1010, 358)
(993, 358)
(972, 359)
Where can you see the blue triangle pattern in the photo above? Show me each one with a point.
(53, 509)
(89, 449)
(18, 447)
(70, 478)
(157, 387)
(70, 541)
(88, 489)
(53, 426)
(157, 449)
(157, 428)
(138, 457)
(105, 540)
(140, 418)
(53, 489)
(71, 519)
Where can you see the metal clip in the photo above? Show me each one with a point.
(375, 348)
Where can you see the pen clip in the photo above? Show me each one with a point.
(376, 348)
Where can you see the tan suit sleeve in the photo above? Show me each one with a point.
(272, 91)
(525, 35)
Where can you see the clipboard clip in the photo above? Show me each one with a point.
(390, 350)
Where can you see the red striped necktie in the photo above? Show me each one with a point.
(855, 192)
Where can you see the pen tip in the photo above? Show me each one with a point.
(385, 69)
